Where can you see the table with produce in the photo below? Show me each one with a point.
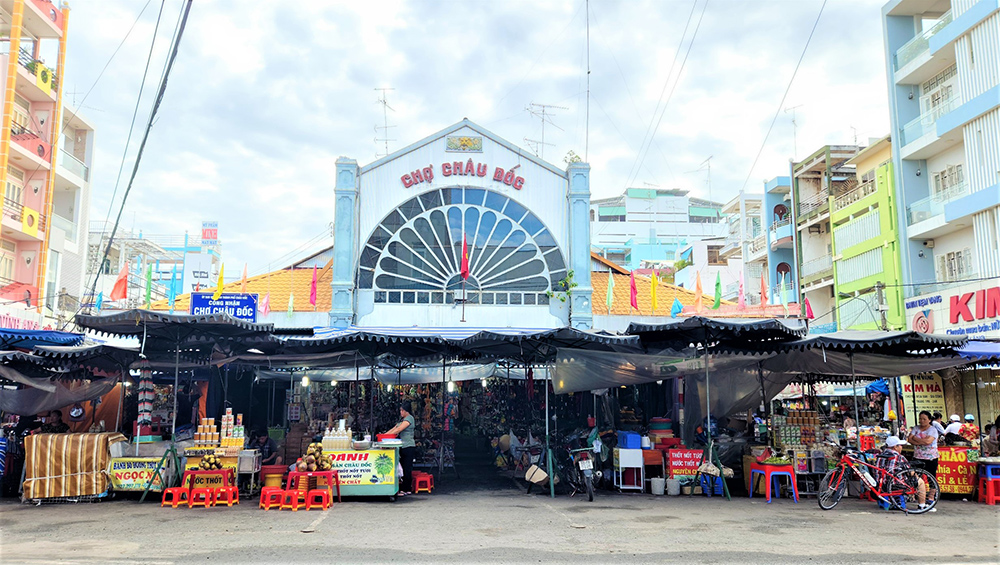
(363, 468)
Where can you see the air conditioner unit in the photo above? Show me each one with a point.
(920, 216)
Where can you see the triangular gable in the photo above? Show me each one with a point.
(465, 123)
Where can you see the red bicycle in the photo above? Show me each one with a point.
(901, 489)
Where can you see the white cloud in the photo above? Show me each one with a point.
(262, 100)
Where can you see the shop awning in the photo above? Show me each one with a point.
(174, 327)
(875, 341)
(742, 334)
(977, 350)
(26, 339)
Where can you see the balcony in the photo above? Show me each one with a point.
(919, 44)
(856, 194)
(732, 247)
(15, 211)
(731, 291)
(757, 246)
(817, 270)
(42, 82)
(780, 234)
(814, 204)
(74, 165)
(919, 138)
(925, 218)
(31, 141)
(66, 226)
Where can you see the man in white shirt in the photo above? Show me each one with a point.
(954, 426)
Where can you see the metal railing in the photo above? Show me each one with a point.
(813, 203)
(817, 265)
(757, 245)
(931, 206)
(14, 210)
(919, 44)
(926, 123)
(855, 194)
(18, 129)
(27, 61)
(74, 165)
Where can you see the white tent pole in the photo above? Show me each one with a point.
(548, 451)
(854, 387)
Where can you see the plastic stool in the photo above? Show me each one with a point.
(428, 475)
(318, 497)
(204, 497)
(989, 491)
(175, 496)
(989, 470)
(421, 483)
(229, 495)
(770, 474)
(714, 488)
(291, 499)
(270, 496)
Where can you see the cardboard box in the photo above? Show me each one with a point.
(536, 475)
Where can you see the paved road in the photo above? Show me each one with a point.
(498, 523)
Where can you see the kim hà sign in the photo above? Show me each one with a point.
(971, 309)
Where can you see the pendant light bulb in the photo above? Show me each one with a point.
(305, 381)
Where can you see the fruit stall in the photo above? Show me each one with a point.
(368, 469)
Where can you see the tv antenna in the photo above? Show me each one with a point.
(795, 129)
(541, 111)
(384, 128)
(706, 165)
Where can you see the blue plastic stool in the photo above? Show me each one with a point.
(714, 488)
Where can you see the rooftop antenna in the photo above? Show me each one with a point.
(586, 139)
(385, 122)
(795, 128)
(706, 165)
(542, 112)
(855, 130)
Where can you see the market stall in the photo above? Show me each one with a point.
(68, 466)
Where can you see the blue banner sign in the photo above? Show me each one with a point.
(242, 306)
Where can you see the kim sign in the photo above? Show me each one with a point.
(242, 306)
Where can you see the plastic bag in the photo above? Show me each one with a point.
(708, 469)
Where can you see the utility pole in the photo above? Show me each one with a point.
(542, 112)
(882, 306)
(586, 142)
(385, 122)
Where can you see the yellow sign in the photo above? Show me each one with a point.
(371, 467)
(928, 393)
(43, 78)
(29, 221)
(132, 473)
(211, 481)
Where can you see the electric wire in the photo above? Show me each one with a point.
(785, 95)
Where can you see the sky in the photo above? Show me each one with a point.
(264, 96)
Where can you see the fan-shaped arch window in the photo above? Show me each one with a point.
(512, 256)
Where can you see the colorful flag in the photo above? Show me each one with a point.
(610, 300)
(653, 283)
(243, 281)
(218, 287)
(120, 290)
(197, 286)
(809, 310)
(265, 305)
(100, 301)
(465, 258)
(718, 291)
(676, 309)
(763, 289)
(697, 292)
(172, 297)
(312, 288)
(149, 283)
(633, 292)
(291, 305)
(741, 302)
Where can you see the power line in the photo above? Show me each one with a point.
(785, 95)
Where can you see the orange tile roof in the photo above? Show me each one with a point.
(621, 304)
(280, 284)
(613, 266)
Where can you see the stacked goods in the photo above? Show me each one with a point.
(799, 429)
(233, 432)
(209, 463)
(206, 434)
(314, 460)
(296, 441)
(661, 433)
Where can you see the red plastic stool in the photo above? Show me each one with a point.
(989, 491)
(227, 495)
(174, 496)
(270, 496)
(201, 497)
(318, 497)
(291, 499)
(421, 483)
(423, 474)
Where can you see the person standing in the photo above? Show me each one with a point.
(938, 422)
(924, 438)
(407, 450)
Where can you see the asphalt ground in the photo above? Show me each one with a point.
(489, 518)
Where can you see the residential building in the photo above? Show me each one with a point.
(744, 225)
(780, 265)
(32, 53)
(651, 225)
(866, 249)
(816, 181)
(704, 259)
(186, 261)
(942, 61)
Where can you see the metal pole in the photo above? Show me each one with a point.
(854, 387)
(708, 397)
(548, 451)
(979, 417)
(444, 415)
(894, 402)
(177, 372)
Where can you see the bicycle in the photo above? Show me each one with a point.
(899, 489)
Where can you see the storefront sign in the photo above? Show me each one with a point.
(242, 306)
(464, 169)
(210, 481)
(209, 233)
(927, 390)
(955, 474)
(371, 467)
(132, 473)
(971, 309)
(683, 462)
